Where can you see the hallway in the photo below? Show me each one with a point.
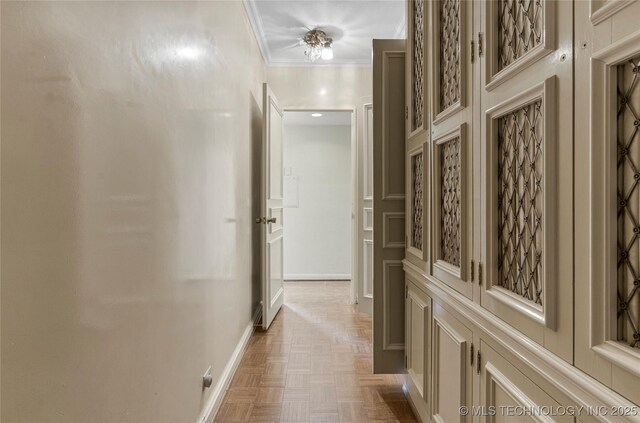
(314, 365)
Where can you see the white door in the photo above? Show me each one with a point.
(365, 209)
(388, 205)
(271, 219)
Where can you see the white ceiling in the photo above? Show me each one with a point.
(353, 24)
(327, 118)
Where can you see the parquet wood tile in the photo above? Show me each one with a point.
(246, 380)
(275, 368)
(241, 395)
(232, 413)
(295, 412)
(353, 412)
(297, 394)
(272, 381)
(314, 364)
(324, 412)
(349, 393)
(323, 393)
(297, 381)
(269, 395)
(264, 413)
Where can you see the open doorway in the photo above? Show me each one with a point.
(318, 162)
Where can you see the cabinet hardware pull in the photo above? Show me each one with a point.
(480, 40)
(471, 356)
(478, 363)
(472, 52)
(472, 271)
(406, 112)
(480, 274)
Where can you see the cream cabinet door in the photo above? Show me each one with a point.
(418, 347)
(452, 146)
(388, 205)
(608, 244)
(526, 91)
(417, 130)
(507, 395)
(452, 374)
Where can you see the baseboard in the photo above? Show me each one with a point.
(418, 406)
(217, 395)
(317, 277)
(257, 316)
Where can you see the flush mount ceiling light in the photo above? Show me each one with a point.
(316, 114)
(318, 45)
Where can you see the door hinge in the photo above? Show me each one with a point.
(472, 51)
(480, 274)
(480, 42)
(406, 291)
(472, 271)
(471, 356)
(478, 362)
(406, 112)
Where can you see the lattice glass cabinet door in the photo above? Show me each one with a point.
(608, 253)
(451, 143)
(417, 163)
(527, 156)
(628, 193)
(417, 118)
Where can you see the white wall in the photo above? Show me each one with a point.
(321, 87)
(325, 88)
(317, 233)
(130, 131)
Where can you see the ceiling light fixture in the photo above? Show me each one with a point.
(316, 114)
(318, 45)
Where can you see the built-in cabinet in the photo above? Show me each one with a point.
(522, 256)
(607, 291)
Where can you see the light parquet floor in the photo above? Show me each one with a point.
(314, 365)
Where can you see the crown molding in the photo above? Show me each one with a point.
(258, 31)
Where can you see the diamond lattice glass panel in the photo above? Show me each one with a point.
(416, 174)
(519, 29)
(449, 15)
(418, 63)
(520, 201)
(450, 195)
(628, 141)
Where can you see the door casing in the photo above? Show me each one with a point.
(353, 287)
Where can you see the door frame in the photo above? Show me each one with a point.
(355, 219)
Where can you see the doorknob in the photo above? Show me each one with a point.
(265, 220)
